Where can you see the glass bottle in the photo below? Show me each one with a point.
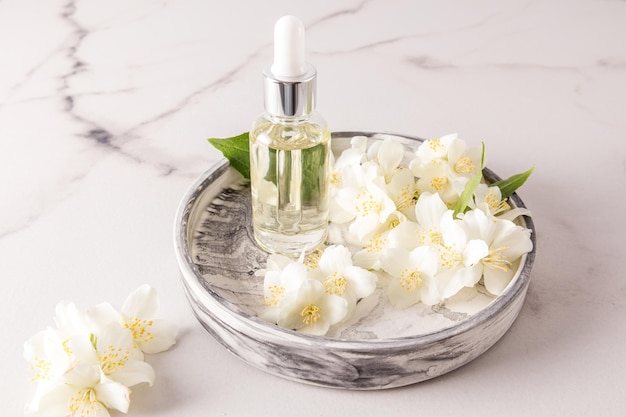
(289, 152)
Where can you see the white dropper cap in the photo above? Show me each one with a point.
(289, 48)
(290, 82)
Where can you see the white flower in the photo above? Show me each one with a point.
(413, 276)
(443, 166)
(434, 149)
(506, 242)
(311, 310)
(372, 208)
(388, 154)
(361, 198)
(52, 352)
(283, 276)
(353, 156)
(297, 298)
(489, 200)
(138, 313)
(402, 189)
(346, 173)
(429, 212)
(462, 160)
(115, 353)
(86, 364)
(50, 356)
(459, 257)
(83, 391)
(438, 178)
(372, 248)
(70, 320)
(340, 277)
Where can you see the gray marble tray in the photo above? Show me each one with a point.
(379, 347)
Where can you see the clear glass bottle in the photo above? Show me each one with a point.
(289, 152)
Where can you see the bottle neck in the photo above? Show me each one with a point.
(290, 98)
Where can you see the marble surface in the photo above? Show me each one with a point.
(104, 112)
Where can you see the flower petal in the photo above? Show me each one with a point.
(113, 394)
(163, 336)
(452, 232)
(474, 251)
(54, 402)
(394, 260)
(134, 372)
(363, 227)
(514, 213)
(102, 315)
(335, 258)
(277, 262)
(450, 281)
(399, 297)
(425, 259)
(429, 293)
(293, 276)
(69, 319)
(307, 293)
(83, 375)
(143, 303)
(335, 309)
(429, 209)
(360, 281)
(390, 154)
(367, 259)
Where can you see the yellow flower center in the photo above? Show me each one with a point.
(497, 259)
(407, 198)
(85, 404)
(335, 284)
(113, 359)
(449, 257)
(439, 183)
(42, 368)
(335, 179)
(376, 243)
(435, 145)
(66, 347)
(312, 260)
(465, 165)
(495, 204)
(430, 236)
(367, 206)
(410, 279)
(140, 329)
(310, 314)
(276, 293)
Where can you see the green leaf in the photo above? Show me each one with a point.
(236, 150)
(509, 185)
(461, 204)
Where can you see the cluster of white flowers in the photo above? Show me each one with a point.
(430, 226)
(85, 365)
(315, 292)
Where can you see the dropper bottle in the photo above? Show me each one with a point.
(289, 152)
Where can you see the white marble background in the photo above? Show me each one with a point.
(104, 111)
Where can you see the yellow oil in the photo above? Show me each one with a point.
(289, 172)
